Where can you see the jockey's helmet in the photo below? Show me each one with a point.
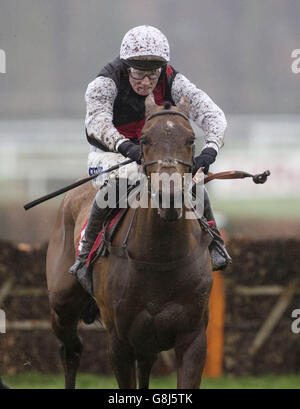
(145, 48)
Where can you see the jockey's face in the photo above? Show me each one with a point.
(143, 82)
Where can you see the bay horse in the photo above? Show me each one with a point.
(154, 295)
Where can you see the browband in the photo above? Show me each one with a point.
(167, 112)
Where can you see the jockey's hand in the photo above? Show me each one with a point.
(204, 160)
(130, 150)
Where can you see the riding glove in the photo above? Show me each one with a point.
(130, 150)
(205, 159)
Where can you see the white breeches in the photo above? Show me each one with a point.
(99, 160)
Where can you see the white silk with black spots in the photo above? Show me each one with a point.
(203, 111)
(99, 97)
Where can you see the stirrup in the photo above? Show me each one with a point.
(76, 266)
(83, 275)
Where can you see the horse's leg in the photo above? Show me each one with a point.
(67, 298)
(145, 364)
(65, 317)
(190, 358)
(70, 349)
(123, 362)
(2, 385)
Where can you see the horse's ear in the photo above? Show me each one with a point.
(150, 105)
(184, 105)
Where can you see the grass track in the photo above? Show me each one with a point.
(88, 381)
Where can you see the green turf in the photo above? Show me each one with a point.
(88, 381)
(259, 208)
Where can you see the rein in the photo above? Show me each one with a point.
(122, 251)
(165, 162)
(168, 162)
(259, 178)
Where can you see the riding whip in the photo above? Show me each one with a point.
(73, 185)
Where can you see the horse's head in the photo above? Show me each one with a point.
(167, 145)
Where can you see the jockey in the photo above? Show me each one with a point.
(115, 116)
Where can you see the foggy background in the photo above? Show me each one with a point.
(238, 51)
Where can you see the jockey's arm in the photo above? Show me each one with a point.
(99, 97)
(203, 111)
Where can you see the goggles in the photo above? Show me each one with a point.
(140, 74)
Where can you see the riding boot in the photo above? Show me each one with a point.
(93, 228)
(218, 253)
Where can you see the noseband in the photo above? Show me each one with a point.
(167, 162)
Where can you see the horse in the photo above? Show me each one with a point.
(153, 294)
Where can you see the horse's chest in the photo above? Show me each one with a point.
(151, 308)
(153, 319)
(155, 329)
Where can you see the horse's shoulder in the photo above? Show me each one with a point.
(75, 205)
(79, 198)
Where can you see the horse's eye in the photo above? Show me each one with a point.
(191, 141)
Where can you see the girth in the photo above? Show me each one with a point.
(155, 266)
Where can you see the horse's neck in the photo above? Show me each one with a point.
(157, 239)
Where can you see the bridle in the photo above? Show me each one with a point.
(167, 162)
